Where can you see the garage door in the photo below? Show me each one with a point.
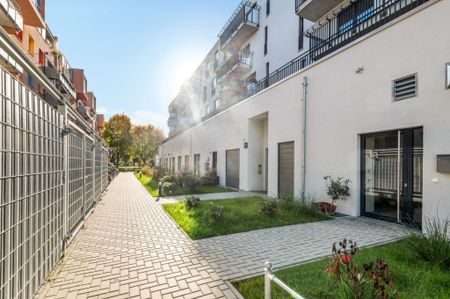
(286, 169)
(232, 168)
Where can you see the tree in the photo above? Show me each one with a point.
(145, 144)
(117, 134)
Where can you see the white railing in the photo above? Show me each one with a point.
(269, 277)
(13, 12)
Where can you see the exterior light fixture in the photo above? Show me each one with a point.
(245, 144)
(65, 131)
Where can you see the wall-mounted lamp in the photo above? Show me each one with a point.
(359, 70)
(245, 144)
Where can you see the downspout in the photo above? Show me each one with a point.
(304, 108)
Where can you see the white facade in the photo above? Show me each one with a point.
(348, 95)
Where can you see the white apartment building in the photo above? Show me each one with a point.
(366, 98)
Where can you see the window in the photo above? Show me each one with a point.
(205, 93)
(207, 70)
(31, 45)
(197, 164)
(186, 163)
(267, 74)
(30, 81)
(179, 164)
(208, 110)
(41, 57)
(266, 36)
(216, 60)
(354, 15)
(217, 104)
(267, 7)
(301, 29)
(213, 86)
(404, 88)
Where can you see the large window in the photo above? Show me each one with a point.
(197, 164)
(301, 29)
(187, 165)
(266, 39)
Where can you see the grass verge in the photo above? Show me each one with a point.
(413, 277)
(152, 187)
(241, 214)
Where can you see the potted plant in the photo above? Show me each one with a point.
(338, 189)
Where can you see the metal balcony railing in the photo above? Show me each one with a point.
(239, 58)
(299, 3)
(355, 20)
(246, 13)
(328, 37)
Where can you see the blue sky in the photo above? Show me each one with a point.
(137, 53)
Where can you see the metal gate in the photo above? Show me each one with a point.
(46, 185)
(75, 178)
(232, 168)
(88, 173)
(286, 161)
(98, 171)
(31, 188)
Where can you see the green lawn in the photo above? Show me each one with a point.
(413, 278)
(241, 214)
(152, 187)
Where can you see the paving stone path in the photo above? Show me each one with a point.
(130, 248)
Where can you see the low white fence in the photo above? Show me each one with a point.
(270, 278)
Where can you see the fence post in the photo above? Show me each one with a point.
(267, 281)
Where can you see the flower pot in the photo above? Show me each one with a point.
(320, 205)
(329, 209)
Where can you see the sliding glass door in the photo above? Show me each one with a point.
(392, 175)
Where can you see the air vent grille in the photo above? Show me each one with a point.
(404, 88)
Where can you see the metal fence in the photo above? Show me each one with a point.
(46, 186)
(270, 278)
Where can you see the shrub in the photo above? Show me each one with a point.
(269, 208)
(168, 178)
(168, 188)
(147, 171)
(433, 247)
(372, 280)
(215, 212)
(191, 182)
(191, 202)
(286, 202)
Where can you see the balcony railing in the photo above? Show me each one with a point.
(13, 14)
(365, 23)
(299, 3)
(354, 21)
(238, 59)
(246, 13)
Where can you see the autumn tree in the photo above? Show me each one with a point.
(145, 144)
(117, 134)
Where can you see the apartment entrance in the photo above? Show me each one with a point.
(392, 175)
(232, 168)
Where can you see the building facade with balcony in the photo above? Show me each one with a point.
(366, 100)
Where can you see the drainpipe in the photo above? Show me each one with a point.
(304, 107)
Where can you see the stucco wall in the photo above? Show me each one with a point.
(342, 105)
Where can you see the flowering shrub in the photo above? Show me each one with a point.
(216, 212)
(373, 280)
(168, 179)
(191, 202)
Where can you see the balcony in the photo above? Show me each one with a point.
(353, 21)
(241, 26)
(10, 15)
(58, 76)
(32, 12)
(239, 65)
(313, 10)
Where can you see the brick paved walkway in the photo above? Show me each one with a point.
(130, 248)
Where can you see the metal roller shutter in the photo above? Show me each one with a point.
(286, 169)
(232, 168)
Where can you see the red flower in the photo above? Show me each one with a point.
(346, 259)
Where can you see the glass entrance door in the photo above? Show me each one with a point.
(392, 175)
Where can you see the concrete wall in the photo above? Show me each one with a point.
(342, 105)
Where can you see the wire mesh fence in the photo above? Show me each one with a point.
(38, 208)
